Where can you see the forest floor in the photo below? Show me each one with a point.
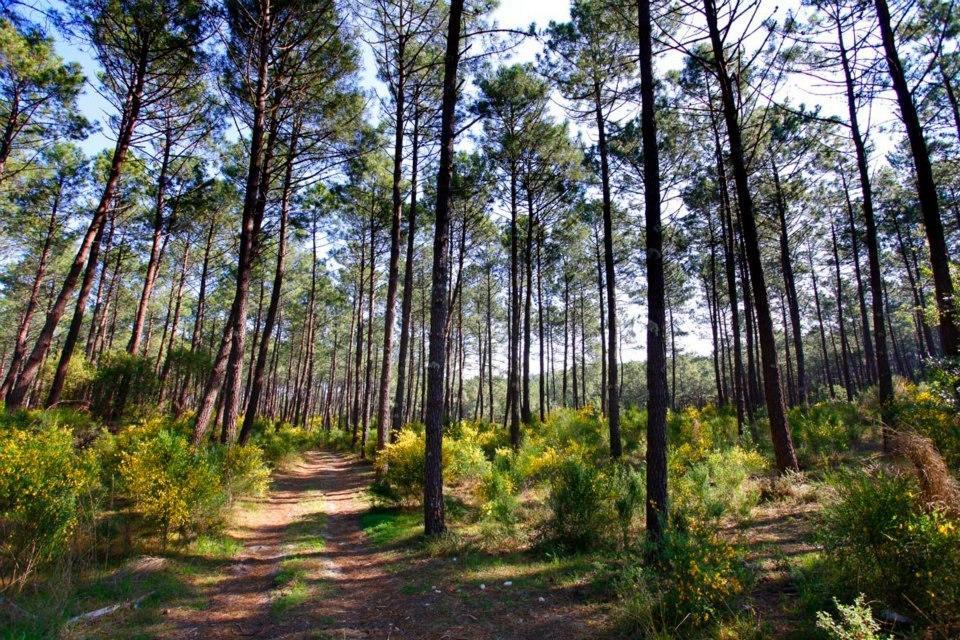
(314, 559)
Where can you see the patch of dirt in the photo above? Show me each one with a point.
(775, 537)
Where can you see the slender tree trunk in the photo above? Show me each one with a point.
(786, 264)
(878, 305)
(256, 386)
(543, 372)
(525, 413)
(23, 329)
(177, 304)
(399, 410)
(513, 377)
(776, 407)
(613, 377)
(656, 502)
(844, 347)
(823, 335)
(18, 392)
(73, 333)
(433, 480)
(231, 345)
(157, 242)
(729, 242)
(603, 325)
(926, 187)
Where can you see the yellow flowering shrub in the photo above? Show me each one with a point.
(41, 479)
(243, 471)
(718, 484)
(400, 465)
(171, 486)
(692, 585)
(930, 414)
(881, 540)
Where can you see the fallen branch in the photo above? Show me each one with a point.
(105, 611)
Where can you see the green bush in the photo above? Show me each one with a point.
(929, 411)
(580, 503)
(691, 586)
(718, 485)
(243, 471)
(629, 495)
(171, 486)
(499, 500)
(853, 622)
(282, 442)
(401, 465)
(124, 384)
(882, 541)
(42, 483)
(825, 428)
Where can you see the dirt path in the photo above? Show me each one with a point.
(351, 588)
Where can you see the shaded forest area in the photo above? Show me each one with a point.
(378, 318)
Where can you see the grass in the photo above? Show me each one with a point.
(170, 584)
(385, 526)
(306, 534)
(293, 583)
(216, 547)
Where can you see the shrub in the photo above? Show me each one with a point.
(173, 487)
(884, 542)
(464, 457)
(123, 383)
(580, 503)
(930, 413)
(400, 465)
(41, 481)
(854, 622)
(700, 431)
(243, 471)
(285, 441)
(718, 484)
(500, 504)
(825, 428)
(690, 586)
(582, 428)
(629, 494)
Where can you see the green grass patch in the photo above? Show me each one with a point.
(294, 594)
(49, 608)
(306, 534)
(390, 526)
(291, 570)
(219, 547)
(291, 583)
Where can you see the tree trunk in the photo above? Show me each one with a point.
(399, 410)
(926, 187)
(256, 385)
(776, 408)
(73, 333)
(157, 242)
(656, 501)
(613, 377)
(18, 392)
(231, 345)
(786, 264)
(884, 376)
(433, 479)
(729, 253)
(23, 329)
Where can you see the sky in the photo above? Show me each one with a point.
(518, 14)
